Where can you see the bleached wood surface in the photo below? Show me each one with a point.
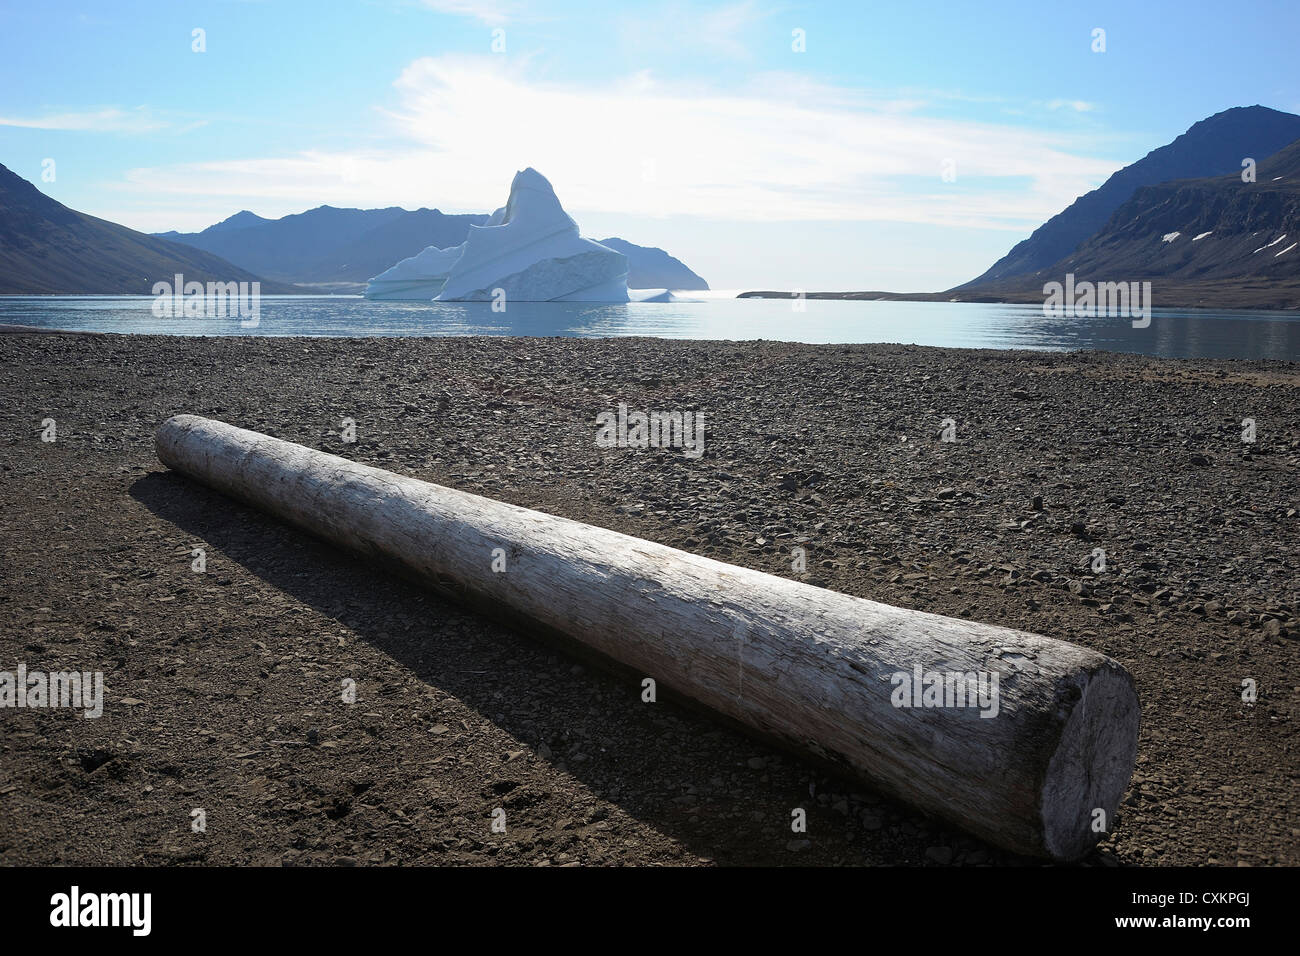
(810, 667)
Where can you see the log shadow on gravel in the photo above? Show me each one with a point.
(689, 774)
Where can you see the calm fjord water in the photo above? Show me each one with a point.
(1172, 333)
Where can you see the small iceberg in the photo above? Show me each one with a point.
(664, 295)
(420, 277)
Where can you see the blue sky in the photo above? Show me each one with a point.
(692, 126)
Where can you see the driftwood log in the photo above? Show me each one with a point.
(1036, 764)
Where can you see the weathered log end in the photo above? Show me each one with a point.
(1090, 770)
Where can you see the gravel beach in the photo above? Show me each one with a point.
(222, 689)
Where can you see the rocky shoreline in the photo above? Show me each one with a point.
(222, 689)
(1265, 295)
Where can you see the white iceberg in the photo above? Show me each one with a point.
(420, 277)
(530, 250)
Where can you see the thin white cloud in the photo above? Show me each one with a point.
(1079, 106)
(492, 12)
(785, 149)
(680, 27)
(108, 120)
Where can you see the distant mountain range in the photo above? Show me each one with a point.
(337, 250)
(652, 268)
(327, 247)
(1213, 147)
(47, 248)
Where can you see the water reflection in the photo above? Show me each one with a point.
(1172, 333)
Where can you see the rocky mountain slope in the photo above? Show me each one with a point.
(1212, 242)
(47, 248)
(1213, 147)
(1219, 228)
(652, 268)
